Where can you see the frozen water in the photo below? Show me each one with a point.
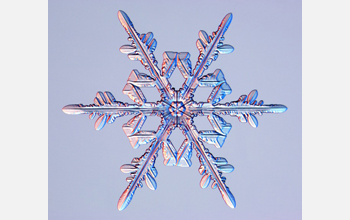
(176, 108)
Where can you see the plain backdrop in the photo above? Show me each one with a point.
(84, 177)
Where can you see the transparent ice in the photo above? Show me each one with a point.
(176, 108)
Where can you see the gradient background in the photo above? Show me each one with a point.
(84, 177)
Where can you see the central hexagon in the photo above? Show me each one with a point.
(177, 109)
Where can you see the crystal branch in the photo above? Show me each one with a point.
(244, 108)
(209, 48)
(142, 48)
(142, 169)
(211, 168)
(108, 109)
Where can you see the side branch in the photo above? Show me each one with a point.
(209, 48)
(142, 169)
(142, 48)
(211, 168)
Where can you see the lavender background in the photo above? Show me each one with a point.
(84, 177)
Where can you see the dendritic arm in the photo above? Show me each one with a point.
(245, 108)
(142, 168)
(210, 167)
(142, 48)
(209, 47)
(108, 109)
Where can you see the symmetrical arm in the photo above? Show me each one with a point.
(108, 109)
(142, 168)
(244, 108)
(211, 168)
(141, 48)
(209, 47)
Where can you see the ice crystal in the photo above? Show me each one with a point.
(176, 110)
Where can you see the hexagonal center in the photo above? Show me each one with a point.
(177, 109)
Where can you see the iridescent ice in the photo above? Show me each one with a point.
(176, 110)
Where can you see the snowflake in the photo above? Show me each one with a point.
(176, 110)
